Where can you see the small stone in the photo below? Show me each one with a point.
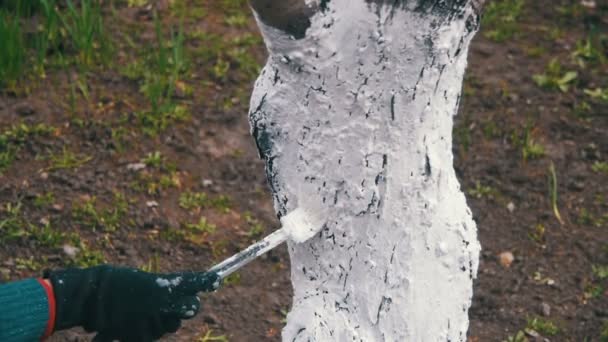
(70, 251)
(44, 175)
(45, 221)
(207, 182)
(136, 166)
(511, 207)
(152, 204)
(506, 259)
(57, 207)
(5, 272)
(550, 282)
(545, 309)
(589, 4)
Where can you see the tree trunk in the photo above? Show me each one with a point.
(353, 112)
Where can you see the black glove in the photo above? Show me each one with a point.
(127, 304)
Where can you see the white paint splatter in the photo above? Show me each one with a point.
(357, 117)
(162, 282)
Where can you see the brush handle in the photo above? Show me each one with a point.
(230, 265)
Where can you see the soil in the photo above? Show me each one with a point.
(552, 273)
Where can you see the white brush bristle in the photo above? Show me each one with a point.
(300, 225)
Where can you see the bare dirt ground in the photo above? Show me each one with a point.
(100, 183)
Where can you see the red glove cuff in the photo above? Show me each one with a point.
(52, 308)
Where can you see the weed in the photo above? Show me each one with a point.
(535, 51)
(67, 160)
(538, 235)
(209, 337)
(588, 51)
(553, 192)
(43, 200)
(13, 51)
(586, 218)
(530, 148)
(193, 200)
(555, 77)
(600, 167)
(202, 226)
(593, 291)
(600, 271)
(542, 326)
(233, 279)
(222, 203)
(154, 159)
(500, 19)
(87, 257)
(47, 236)
(481, 191)
(29, 264)
(256, 228)
(238, 20)
(598, 94)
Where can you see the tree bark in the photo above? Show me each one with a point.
(353, 112)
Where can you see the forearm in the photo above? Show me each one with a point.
(26, 310)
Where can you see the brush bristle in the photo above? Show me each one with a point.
(300, 225)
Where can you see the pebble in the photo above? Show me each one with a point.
(152, 204)
(545, 309)
(511, 207)
(44, 175)
(70, 251)
(136, 166)
(506, 259)
(207, 182)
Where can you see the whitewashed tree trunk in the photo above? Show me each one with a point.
(353, 112)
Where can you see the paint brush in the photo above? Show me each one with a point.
(297, 226)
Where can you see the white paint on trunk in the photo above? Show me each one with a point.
(357, 117)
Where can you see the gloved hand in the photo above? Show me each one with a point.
(127, 304)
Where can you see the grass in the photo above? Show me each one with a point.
(598, 94)
(13, 51)
(200, 200)
(160, 73)
(67, 160)
(500, 19)
(209, 337)
(555, 78)
(107, 219)
(13, 138)
(553, 192)
(84, 27)
(154, 159)
(76, 29)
